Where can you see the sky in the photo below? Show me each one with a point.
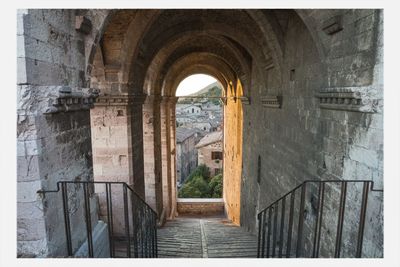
(193, 84)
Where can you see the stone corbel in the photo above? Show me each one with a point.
(245, 100)
(66, 100)
(333, 25)
(271, 101)
(348, 98)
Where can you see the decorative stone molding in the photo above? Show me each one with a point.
(348, 98)
(68, 100)
(83, 24)
(271, 101)
(333, 25)
(245, 100)
(120, 100)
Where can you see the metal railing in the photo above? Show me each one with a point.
(281, 235)
(131, 222)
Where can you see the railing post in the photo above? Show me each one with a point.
(275, 230)
(318, 223)
(88, 220)
(263, 234)
(128, 247)
(269, 230)
(290, 226)
(340, 219)
(67, 224)
(282, 226)
(259, 235)
(110, 219)
(299, 246)
(363, 212)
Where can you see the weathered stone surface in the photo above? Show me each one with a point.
(253, 53)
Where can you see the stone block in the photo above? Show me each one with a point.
(30, 229)
(27, 168)
(31, 249)
(365, 156)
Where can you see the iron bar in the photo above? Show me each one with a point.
(299, 246)
(88, 220)
(269, 230)
(340, 219)
(128, 246)
(134, 228)
(290, 226)
(259, 217)
(66, 218)
(275, 232)
(263, 234)
(318, 223)
(282, 227)
(363, 212)
(109, 221)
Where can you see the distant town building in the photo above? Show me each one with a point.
(188, 109)
(209, 151)
(186, 153)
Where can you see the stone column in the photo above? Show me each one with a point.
(117, 143)
(173, 191)
(152, 172)
(165, 154)
(136, 112)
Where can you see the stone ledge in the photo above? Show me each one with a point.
(200, 206)
(119, 100)
(54, 99)
(357, 99)
(271, 101)
(245, 100)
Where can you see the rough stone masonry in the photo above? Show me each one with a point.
(303, 100)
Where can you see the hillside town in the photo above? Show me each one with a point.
(199, 126)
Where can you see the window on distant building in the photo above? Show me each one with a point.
(216, 155)
(192, 110)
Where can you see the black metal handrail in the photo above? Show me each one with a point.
(137, 236)
(282, 232)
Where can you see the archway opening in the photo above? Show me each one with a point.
(199, 144)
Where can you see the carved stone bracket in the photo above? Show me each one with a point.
(333, 25)
(245, 100)
(67, 100)
(271, 101)
(350, 98)
(120, 100)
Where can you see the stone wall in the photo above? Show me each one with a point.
(307, 132)
(233, 153)
(53, 139)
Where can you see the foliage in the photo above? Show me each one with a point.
(216, 186)
(199, 184)
(201, 170)
(197, 187)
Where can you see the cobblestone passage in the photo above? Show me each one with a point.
(205, 238)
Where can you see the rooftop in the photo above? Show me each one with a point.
(183, 133)
(210, 139)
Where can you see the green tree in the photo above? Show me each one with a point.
(197, 187)
(201, 170)
(215, 186)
